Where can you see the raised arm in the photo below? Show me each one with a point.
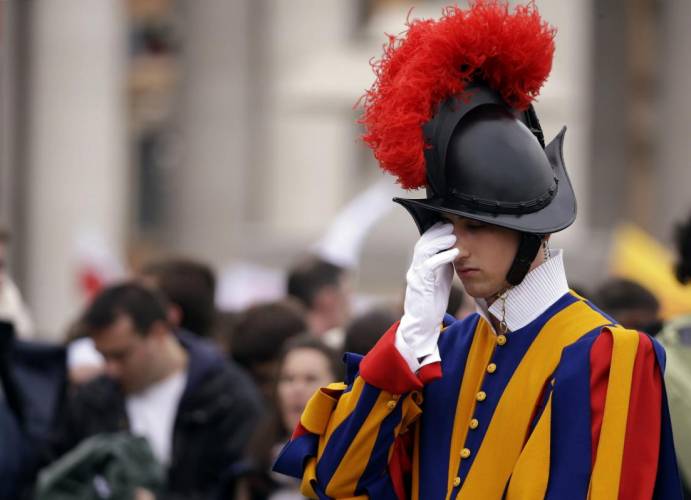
(354, 438)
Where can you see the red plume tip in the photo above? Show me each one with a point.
(433, 60)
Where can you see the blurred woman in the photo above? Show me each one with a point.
(305, 365)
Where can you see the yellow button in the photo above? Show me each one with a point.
(456, 481)
(473, 423)
(491, 368)
(391, 404)
(465, 453)
(481, 396)
(501, 339)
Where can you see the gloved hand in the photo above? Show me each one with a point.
(427, 294)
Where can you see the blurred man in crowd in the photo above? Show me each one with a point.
(258, 337)
(190, 287)
(324, 289)
(631, 304)
(195, 409)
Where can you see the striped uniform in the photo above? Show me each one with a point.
(570, 406)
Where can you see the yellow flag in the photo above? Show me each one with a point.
(639, 257)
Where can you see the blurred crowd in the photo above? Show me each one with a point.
(157, 394)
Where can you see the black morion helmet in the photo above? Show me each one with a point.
(489, 163)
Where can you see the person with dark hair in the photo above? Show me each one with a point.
(305, 364)
(258, 336)
(682, 238)
(324, 289)
(195, 409)
(538, 395)
(676, 338)
(363, 332)
(631, 304)
(190, 287)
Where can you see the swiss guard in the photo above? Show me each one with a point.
(537, 395)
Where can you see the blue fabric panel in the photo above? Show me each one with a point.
(448, 320)
(352, 362)
(439, 403)
(378, 461)
(343, 436)
(293, 457)
(381, 488)
(570, 436)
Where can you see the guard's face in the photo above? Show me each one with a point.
(486, 253)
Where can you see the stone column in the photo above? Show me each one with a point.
(77, 171)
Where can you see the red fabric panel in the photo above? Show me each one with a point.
(430, 372)
(299, 431)
(600, 359)
(385, 368)
(400, 465)
(642, 441)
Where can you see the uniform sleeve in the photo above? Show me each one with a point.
(611, 432)
(354, 438)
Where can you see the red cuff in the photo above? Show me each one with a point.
(430, 372)
(385, 368)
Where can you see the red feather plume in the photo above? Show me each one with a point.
(434, 59)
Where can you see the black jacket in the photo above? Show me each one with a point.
(217, 413)
(33, 377)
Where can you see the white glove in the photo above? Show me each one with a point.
(427, 295)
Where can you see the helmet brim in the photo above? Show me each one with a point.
(558, 215)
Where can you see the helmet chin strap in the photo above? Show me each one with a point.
(528, 247)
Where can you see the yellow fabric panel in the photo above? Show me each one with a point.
(346, 405)
(531, 473)
(505, 437)
(411, 412)
(604, 482)
(415, 483)
(355, 460)
(317, 412)
(484, 343)
(326, 411)
(309, 476)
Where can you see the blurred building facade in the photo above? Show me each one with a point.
(226, 130)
